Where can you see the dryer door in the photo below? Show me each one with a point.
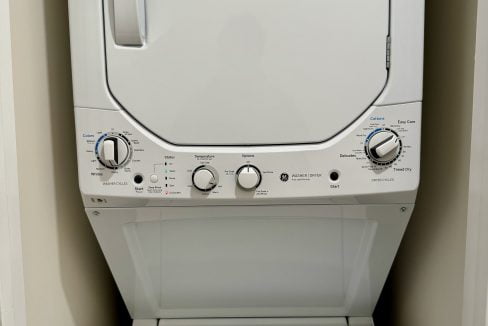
(238, 261)
(247, 72)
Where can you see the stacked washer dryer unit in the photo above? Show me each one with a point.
(248, 162)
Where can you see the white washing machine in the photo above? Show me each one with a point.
(248, 162)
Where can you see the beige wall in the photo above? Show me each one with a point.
(67, 281)
(428, 274)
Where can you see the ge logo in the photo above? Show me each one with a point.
(284, 177)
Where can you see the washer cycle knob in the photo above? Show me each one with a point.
(113, 151)
(204, 178)
(383, 146)
(248, 177)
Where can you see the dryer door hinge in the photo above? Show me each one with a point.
(388, 52)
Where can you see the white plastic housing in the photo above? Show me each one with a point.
(245, 261)
(257, 322)
(405, 76)
(318, 235)
(308, 167)
(246, 68)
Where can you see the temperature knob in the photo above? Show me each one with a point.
(204, 178)
(248, 177)
(383, 146)
(113, 151)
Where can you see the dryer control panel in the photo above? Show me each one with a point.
(378, 153)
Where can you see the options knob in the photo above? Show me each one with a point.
(383, 146)
(248, 177)
(113, 150)
(204, 178)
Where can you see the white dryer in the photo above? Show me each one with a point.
(248, 162)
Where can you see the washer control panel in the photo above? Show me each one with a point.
(378, 153)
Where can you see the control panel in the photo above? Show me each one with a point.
(378, 153)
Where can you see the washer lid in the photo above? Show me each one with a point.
(251, 72)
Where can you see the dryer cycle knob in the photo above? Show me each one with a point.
(113, 151)
(204, 178)
(383, 146)
(248, 177)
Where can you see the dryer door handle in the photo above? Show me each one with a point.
(129, 22)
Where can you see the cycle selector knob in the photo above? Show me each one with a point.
(204, 178)
(113, 151)
(248, 177)
(383, 147)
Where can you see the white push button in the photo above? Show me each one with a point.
(248, 177)
(154, 178)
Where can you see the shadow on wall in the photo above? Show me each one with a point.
(426, 283)
(83, 268)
